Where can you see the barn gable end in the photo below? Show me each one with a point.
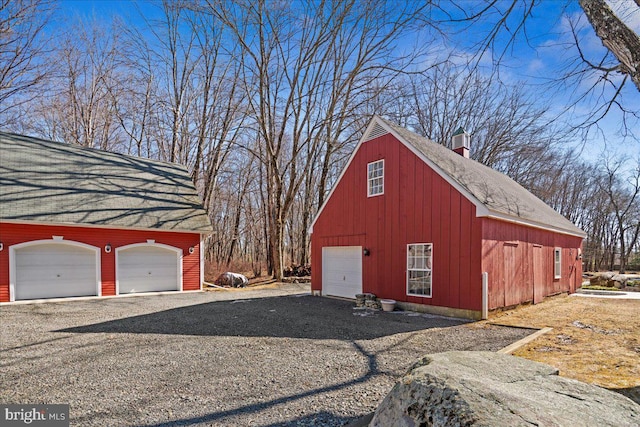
(432, 199)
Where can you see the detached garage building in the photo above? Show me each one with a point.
(414, 221)
(82, 222)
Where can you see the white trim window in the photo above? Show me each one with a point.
(557, 263)
(419, 269)
(375, 178)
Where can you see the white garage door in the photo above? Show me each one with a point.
(342, 271)
(51, 270)
(147, 269)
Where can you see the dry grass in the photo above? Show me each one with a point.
(254, 284)
(594, 340)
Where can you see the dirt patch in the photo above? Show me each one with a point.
(593, 340)
(252, 286)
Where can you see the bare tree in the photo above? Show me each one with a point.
(135, 94)
(592, 79)
(22, 51)
(289, 63)
(78, 107)
(626, 207)
(511, 131)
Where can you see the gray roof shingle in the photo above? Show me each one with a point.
(51, 182)
(496, 191)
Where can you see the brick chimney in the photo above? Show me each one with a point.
(460, 142)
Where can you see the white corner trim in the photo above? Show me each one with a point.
(56, 240)
(202, 237)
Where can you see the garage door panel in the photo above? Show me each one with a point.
(342, 271)
(147, 269)
(147, 256)
(55, 270)
(61, 274)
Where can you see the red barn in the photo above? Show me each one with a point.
(413, 221)
(78, 222)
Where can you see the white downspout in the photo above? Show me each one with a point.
(485, 295)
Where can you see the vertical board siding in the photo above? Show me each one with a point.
(519, 261)
(417, 206)
(12, 234)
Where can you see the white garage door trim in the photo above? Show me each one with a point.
(57, 241)
(178, 253)
(342, 271)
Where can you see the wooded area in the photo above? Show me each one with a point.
(263, 101)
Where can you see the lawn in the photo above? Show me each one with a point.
(594, 340)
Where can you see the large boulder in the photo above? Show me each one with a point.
(229, 279)
(491, 389)
(618, 281)
(598, 281)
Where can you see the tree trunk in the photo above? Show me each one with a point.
(615, 36)
(623, 249)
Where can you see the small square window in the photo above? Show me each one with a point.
(557, 263)
(375, 178)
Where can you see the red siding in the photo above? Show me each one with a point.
(417, 206)
(11, 234)
(519, 261)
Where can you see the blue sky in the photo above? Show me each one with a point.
(535, 58)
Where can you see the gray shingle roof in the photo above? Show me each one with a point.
(497, 192)
(51, 182)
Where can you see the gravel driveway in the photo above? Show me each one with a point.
(252, 358)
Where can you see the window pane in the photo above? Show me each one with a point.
(375, 170)
(420, 282)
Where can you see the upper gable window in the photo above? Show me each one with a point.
(375, 174)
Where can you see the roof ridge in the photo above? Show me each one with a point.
(73, 146)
